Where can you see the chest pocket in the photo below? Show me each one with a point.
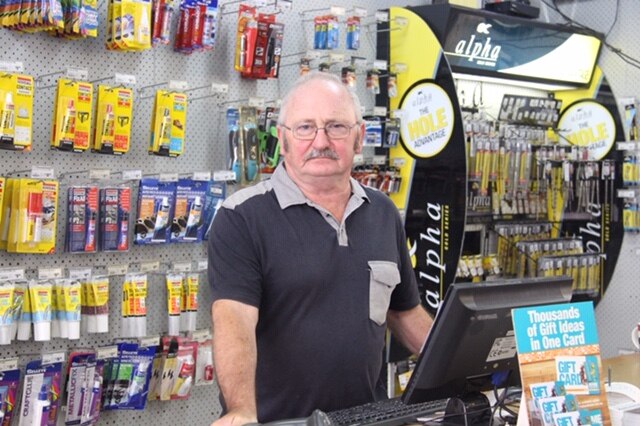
(384, 277)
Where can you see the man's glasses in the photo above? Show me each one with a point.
(309, 131)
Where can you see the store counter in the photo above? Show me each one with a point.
(623, 368)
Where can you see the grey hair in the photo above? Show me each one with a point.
(318, 76)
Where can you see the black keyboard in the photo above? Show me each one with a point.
(389, 412)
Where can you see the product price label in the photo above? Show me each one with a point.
(398, 162)
(117, 269)
(149, 266)
(338, 10)
(178, 85)
(126, 79)
(146, 342)
(11, 66)
(219, 88)
(9, 364)
(380, 111)
(53, 357)
(99, 174)
(79, 273)
(168, 177)
(78, 73)
(107, 352)
(360, 11)
(382, 16)
(132, 175)
(201, 335)
(42, 173)
(182, 266)
(358, 159)
(335, 58)
(256, 102)
(627, 146)
(49, 273)
(224, 175)
(358, 61)
(202, 176)
(314, 54)
(626, 193)
(11, 274)
(284, 4)
(379, 160)
(380, 65)
(202, 265)
(399, 68)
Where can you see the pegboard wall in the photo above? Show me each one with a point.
(619, 311)
(47, 59)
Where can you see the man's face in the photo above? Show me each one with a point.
(317, 104)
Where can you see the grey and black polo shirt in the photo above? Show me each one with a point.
(322, 288)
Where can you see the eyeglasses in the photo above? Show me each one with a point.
(308, 131)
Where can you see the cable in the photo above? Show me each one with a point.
(615, 50)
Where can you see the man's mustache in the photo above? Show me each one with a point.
(322, 153)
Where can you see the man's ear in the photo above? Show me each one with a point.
(284, 145)
(359, 139)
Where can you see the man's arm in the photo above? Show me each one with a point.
(410, 327)
(235, 357)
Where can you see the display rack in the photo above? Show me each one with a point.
(48, 58)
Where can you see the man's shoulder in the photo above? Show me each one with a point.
(377, 196)
(248, 195)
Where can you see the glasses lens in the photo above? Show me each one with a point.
(337, 130)
(305, 131)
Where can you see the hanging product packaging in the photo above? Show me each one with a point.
(7, 295)
(178, 368)
(174, 300)
(129, 25)
(155, 211)
(162, 12)
(5, 212)
(115, 210)
(168, 124)
(41, 295)
(72, 116)
(187, 223)
(16, 111)
(80, 386)
(95, 304)
(114, 115)
(189, 315)
(82, 213)
(9, 385)
(134, 305)
(70, 309)
(41, 394)
(246, 35)
(204, 364)
(353, 33)
(33, 228)
(215, 198)
(20, 298)
(127, 377)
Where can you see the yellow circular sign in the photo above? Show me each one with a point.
(590, 125)
(427, 120)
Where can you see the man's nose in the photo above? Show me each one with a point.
(321, 139)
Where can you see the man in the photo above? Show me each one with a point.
(307, 271)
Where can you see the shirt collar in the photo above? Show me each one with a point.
(289, 194)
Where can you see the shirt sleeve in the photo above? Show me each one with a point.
(234, 269)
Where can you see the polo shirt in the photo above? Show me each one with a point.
(322, 288)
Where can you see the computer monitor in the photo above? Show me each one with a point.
(472, 341)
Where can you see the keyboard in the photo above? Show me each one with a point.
(388, 412)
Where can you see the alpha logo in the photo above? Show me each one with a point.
(478, 48)
(483, 28)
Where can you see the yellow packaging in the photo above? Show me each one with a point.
(193, 283)
(6, 302)
(72, 116)
(138, 299)
(16, 111)
(179, 124)
(14, 219)
(37, 209)
(114, 114)
(174, 293)
(136, 24)
(168, 126)
(5, 213)
(161, 124)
